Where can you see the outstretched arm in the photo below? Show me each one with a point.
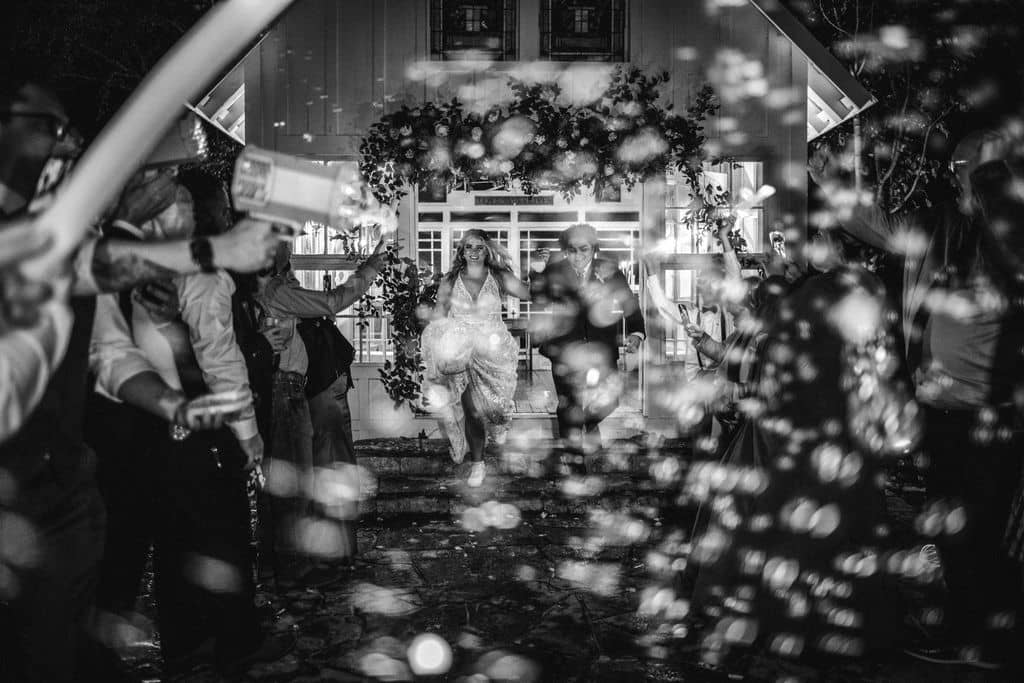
(115, 265)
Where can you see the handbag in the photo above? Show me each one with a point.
(330, 353)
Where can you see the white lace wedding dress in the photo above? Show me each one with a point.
(470, 350)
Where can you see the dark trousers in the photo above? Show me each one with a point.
(126, 441)
(576, 423)
(53, 539)
(333, 445)
(982, 581)
(202, 552)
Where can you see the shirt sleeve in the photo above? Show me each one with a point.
(113, 356)
(292, 298)
(28, 358)
(206, 308)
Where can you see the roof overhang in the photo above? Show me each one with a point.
(833, 94)
(223, 106)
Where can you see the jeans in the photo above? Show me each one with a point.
(290, 459)
(982, 581)
(53, 583)
(333, 444)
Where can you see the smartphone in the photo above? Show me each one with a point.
(683, 313)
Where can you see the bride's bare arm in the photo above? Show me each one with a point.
(513, 286)
(441, 303)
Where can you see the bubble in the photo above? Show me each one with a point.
(502, 666)
(282, 478)
(780, 573)
(393, 602)
(19, 542)
(213, 574)
(955, 521)
(429, 655)
(320, 537)
(381, 667)
(787, 645)
(824, 521)
(742, 631)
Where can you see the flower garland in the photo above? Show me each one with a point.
(623, 137)
(533, 142)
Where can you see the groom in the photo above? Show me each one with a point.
(588, 298)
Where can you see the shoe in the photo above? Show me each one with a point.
(476, 475)
(271, 649)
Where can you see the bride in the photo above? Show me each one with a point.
(470, 356)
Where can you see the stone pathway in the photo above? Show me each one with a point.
(529, 594)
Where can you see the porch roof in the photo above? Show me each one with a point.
(833, 94)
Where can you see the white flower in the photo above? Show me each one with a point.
(441, 130)
(476, 133)
(612, 137)
(562, 143)
(584, 141)
(406, 130)
(539, 139)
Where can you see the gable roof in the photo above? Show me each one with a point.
(833, 94)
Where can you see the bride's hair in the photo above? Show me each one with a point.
(497, 258)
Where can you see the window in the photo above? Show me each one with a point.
(583, 30)
(320, 261)
(473, 30)
(737, 178)
(695, 248)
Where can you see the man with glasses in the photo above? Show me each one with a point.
(49, 492)
(589, 298)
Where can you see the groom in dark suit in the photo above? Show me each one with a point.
(588, 297)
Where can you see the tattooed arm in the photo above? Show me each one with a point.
(107, 265)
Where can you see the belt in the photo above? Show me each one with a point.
(288, 377)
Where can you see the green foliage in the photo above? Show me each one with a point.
(621, 138)
(407, 296)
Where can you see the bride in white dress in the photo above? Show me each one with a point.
(469, 355)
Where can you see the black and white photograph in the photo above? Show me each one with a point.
(479, 341)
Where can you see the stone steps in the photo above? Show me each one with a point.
(418, 478)
(411, 457)
(439, 496)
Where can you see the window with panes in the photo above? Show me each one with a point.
(694, 251)
(583, 30)
(321, 261)
(459, 30)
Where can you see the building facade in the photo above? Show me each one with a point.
(329, 69)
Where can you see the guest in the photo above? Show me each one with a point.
(197, 502)
(970, 369)
(294, 431)
(49, 465)
(585, 294)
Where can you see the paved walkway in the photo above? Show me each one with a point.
(538, 600)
